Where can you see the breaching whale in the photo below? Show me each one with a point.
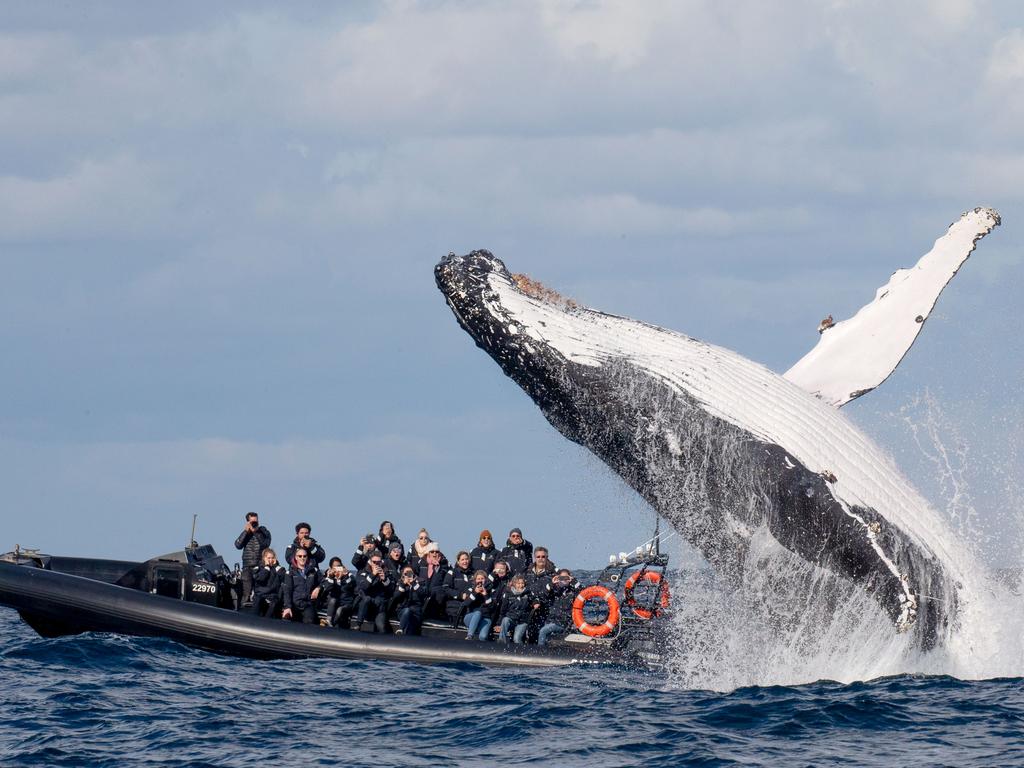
(722, 447)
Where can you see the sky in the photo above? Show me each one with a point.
(218, 227)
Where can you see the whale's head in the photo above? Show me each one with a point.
(525, 327)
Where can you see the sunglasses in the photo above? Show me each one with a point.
(300, 557)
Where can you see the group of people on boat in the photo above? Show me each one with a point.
(516, 589)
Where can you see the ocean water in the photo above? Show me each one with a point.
(107, 700)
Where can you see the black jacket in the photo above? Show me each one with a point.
(252, 544)
(377, 589)
(404, 596)
(433, 584)
(393, 568)
(557, 601)
(384, 544)
(316, 553)
(516, 607)
(536, 582)
(484, 603)
(268, 581)
(341, 590)
(482, 558)
(517, 557)
(299, 585)
(456, 588)
(498, 585)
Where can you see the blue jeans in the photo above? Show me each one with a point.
(475, 620)
(518, 634)
(547, 631)
(409, 621)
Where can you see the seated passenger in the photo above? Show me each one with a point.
(457, 586)
(479, 608)
(407, 603)
(395, 561)
(301, 589)
(541, 572)
(362, 555)
(483, 556)
(518, 552)
(516, 610)
(558, 598)
(387, 537)
(497, 582)
(268, 586)
(302, 540)
(339, 588)
(418, 550)
(374, 589)
(431, 577)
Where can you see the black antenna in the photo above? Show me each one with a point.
(192, 538)
(657, 534)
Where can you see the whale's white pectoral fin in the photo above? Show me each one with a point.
(856, 355)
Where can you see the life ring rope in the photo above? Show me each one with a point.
(599, 593)
(652, 577)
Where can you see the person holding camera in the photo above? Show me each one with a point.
(497, 581)
(367, 545)
(407, 603)
(253, 539)
(374, 588)
(479, 608)
(558, 597)
(395, 561)
(268, 580)
(339, 589)
(303, 540)
(458, 583)
(301, 589)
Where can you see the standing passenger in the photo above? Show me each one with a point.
(387, 537)
(301, 589)
(302, 540)
(518, 552)
(253, 539)
(362, 555)
(483, 556)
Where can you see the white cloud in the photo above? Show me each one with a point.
(1006, 62)
(114, 197)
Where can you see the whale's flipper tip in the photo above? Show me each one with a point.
(854, 356)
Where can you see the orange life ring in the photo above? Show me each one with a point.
(654, 578)
(596, 630)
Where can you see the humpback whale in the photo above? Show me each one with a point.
(724, 448)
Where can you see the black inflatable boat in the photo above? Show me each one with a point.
(187, 596)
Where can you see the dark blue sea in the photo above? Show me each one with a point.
(106, 700)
